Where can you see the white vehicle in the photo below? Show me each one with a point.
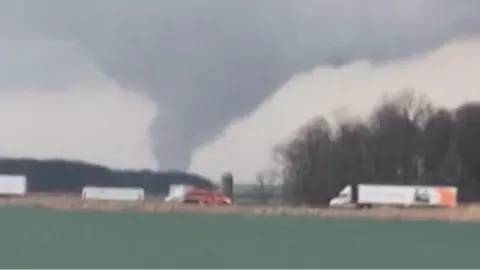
(13, 185)
(397, 195)
(177, 193)
(113, 193)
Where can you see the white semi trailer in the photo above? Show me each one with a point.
(113, 193)
(397, 195)
(13, 185)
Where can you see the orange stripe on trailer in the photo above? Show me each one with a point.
(448, 197)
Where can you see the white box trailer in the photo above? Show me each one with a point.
(399, 195)
(176, 193)
(13, 185)
(113, 193)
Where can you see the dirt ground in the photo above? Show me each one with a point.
(463, 213)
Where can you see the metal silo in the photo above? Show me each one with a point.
(227, 185)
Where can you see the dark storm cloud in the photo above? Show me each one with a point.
(207, 62)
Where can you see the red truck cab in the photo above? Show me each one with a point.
(205, 196)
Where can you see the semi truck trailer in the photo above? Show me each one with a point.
(370, 195)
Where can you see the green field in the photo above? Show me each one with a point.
(54, 239)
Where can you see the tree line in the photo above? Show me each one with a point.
(405, 140)
(71, 176)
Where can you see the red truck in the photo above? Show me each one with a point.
(189, 194)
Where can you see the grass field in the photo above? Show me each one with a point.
(34, 238)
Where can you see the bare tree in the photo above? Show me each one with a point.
(306, 161)
(467, 133)
(397, 127)
(266, 185)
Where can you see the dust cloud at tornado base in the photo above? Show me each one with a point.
(447, 75)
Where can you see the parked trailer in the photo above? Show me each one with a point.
(13, 185)
(113, 193)
(397, 195)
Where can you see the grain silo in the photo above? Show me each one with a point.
(227, 185)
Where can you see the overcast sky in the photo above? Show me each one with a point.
(206, 63)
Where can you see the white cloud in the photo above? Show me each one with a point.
(447, 75)
(58, 105)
